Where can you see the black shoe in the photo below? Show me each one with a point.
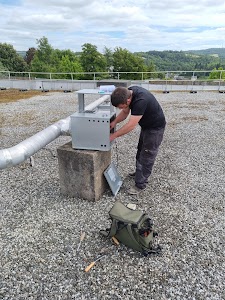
(132, 175)
(135, 190)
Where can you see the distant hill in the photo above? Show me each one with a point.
(216, 52)
(191, 60)
(169, 60)
(21, 53)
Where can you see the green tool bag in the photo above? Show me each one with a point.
(132, 228)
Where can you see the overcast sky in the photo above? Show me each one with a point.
(140, 25)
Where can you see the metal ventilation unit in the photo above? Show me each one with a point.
(90, 126)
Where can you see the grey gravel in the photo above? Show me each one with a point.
(40, 229)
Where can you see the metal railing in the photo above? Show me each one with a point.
(155, 81)
(163, 75)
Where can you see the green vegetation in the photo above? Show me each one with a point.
(44, 58)
(217, 52)
(92, 60)
(180, 60)
(10, 59)
(125, 61)
(47, 59)
(217, 74)
(2, 68)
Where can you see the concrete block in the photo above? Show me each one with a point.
(81, 172)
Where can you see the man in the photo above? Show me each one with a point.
(145, 111)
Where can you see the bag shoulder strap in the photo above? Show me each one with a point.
(109, 232)
(129, 229)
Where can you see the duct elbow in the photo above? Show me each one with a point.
(5, 159)
(65, 126)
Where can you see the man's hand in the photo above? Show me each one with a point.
(112, 124)
(133, 121)
(112, 137)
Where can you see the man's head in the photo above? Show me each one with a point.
(121, 97)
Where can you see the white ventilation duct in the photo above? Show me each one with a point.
(15, 155)
(19, 153)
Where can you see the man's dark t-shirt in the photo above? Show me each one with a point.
(145, 104)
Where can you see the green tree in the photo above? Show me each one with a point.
(71, 55)
(70, 65)
(92, 60)
(2, 68)
(44, 50)
(43, 57)
(30, 55)
(151, 68)
(217, 74)
(125, 61)
(50, 60)
(10, 59)
(108, 53)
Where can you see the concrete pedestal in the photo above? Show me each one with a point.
(81, 172)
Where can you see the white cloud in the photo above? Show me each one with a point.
(136, 25)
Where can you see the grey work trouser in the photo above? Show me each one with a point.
(148, 146)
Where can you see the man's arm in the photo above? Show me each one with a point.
(121, 117)
(129, 126)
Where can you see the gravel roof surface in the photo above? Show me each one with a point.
(40, 229)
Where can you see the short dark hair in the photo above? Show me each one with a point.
(120, 96)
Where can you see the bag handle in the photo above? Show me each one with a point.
(157, 250)
(148, 226)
